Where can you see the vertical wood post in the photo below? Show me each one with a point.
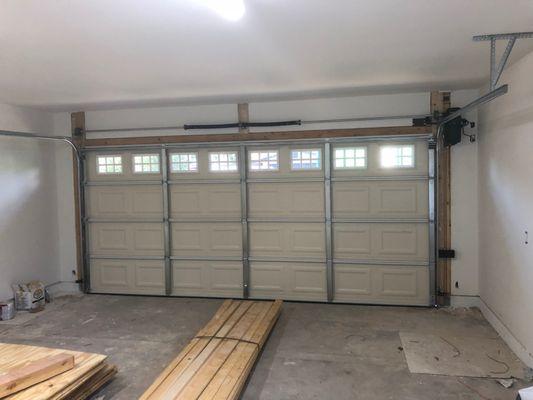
(77, 120)
(243, 115)
(440, 103)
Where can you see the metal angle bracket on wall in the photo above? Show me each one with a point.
(496, 70)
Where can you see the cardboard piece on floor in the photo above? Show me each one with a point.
(460, 356)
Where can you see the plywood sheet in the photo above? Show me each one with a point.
(460, 356)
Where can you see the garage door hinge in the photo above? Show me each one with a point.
(446, 253)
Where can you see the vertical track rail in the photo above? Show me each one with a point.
(243, 166)
(166, 221)
(84, 225)
(327, 202)
(432, 224)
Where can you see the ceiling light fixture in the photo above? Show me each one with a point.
(232, 10)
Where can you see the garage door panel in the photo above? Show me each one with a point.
(288, 281)
(127, 276)
(374, 167)
(380, 199)
(206, 239)
(117, 202)
(287, 239)
(207, 278)
(127, 173)
(294, 199)
(381, 241)
(381, 284)
(131, 239)
(205, 200)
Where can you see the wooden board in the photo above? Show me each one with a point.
(59, 387)
(30, 373)
(282, 135)
(440, 103)
(217, 362)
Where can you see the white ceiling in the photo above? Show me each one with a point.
(76, 54)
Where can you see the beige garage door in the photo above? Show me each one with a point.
(346, 221)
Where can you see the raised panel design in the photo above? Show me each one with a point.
(266, 238)
(223, 201)
(287, 200)
(127, 276)
(306, 199)
(225, 276)
(352, 281)
(351, 240)
(308, 279)
(350, 200)
(126, 239)
(206, 239)
(148, 239)
(399, 283)
(398, 240)
(136, 201)
(401, 241)
(111, 238)
(188, 276)
(186, 237)
(398, 199)
(225, 238)
(382, 284)
(149, 275)
(380, 199)
(113, 274)
(287, 240)
(185, 202)
(308, 240)
(188, 200)
(110, 202)
(267, 278)
(381, 241)
(207, 278)
(264, 199)
(288, 281)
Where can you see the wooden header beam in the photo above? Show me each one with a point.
(261, 136)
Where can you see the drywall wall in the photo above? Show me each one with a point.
(464, 155)
(464, 216)
(28, 217)
(506, 209)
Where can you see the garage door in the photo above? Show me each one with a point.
(344, 221)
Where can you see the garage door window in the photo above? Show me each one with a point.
(264, 160)
(306, 159)
(146, 163)
(398, 156)
(109, 164)
(223, 162)
(350, 158)
(184, 162)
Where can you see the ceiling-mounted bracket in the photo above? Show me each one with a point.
(496, 70)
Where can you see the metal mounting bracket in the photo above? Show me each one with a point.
(496, 70)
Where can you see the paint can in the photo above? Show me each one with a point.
(7, 310)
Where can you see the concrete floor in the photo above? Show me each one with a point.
(316, 351)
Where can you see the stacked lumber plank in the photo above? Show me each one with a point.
(216, 363)
(41, 373)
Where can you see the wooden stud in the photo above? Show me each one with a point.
(282, 135)
(77, 120)
(21, 377)
(244, 116)
(219, 369)
(440, 103)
